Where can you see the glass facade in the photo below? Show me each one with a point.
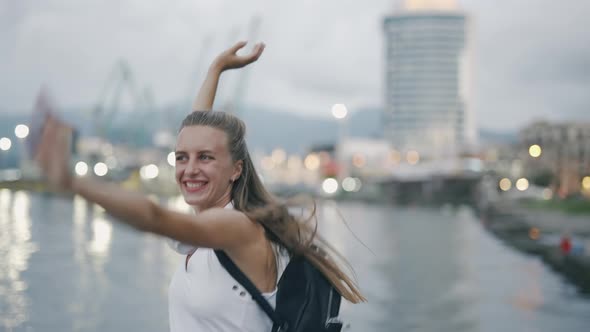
(425, 107)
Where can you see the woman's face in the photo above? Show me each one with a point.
(204, 167)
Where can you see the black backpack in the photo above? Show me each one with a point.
(306, 301)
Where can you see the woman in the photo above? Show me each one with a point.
(234, 213)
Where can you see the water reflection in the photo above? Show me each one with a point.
(432, 270)
(99, 245)
(16, 248)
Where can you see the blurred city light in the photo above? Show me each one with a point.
(547, 194)
(348, 184)
(535, 151)
(267, 164)
(357, 184)
(278, 156)
(586, 183)
(149, 172)
(111, 162)
(312, 162)
(101, 169)
(81, 168)
(522, 184)
(339, 111)
(294, 162)
(359, 160)
(107, 149)
(21, 131)
(171, 159)
(505, 184)
(395, 157)
(413, 157)
(5, 143)
(351, 184)
(330, 185)
(534, 233)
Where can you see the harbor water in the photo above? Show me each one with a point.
(66, 266)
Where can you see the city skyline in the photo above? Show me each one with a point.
(531, 55)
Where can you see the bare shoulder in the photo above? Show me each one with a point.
(230, 217)
(244, 231)
(213, 228)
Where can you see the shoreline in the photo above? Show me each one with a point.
(540, 233)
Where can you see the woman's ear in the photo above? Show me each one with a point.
(238, 166)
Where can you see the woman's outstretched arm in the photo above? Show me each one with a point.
(228, 59)
(213, 228)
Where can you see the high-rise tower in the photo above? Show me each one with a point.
(428, 79)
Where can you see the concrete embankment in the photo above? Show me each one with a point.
(561, 240)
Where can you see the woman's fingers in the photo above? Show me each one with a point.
(239, 45)
(229, 59)
(52, 153)
(253, 56)
(257, 51)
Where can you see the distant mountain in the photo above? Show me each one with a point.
(493, 137)
(266, 129)
(270, 129)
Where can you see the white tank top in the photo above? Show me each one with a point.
(205, 297)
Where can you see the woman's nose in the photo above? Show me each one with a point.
(192, 167)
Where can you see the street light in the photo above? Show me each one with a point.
(339, 111)
(505, 184)
(330, 186)
(81, 168)
(21, 131)
(535, 151)
(101, 169)
(5, 143)
(171, 158)
(522, 184)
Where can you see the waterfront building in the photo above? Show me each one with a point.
(559, 149)
(428, 79)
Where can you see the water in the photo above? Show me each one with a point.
(65, 267)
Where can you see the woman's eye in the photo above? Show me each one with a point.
(179, 158)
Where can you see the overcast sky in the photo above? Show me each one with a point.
(531, 57)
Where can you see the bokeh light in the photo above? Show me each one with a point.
(21, 131)
(5, 143)
(535, 151)
(149, 172)
(81, 168)
(330, 185)
(505, 184)
(339, 111)
(312, 162)
(522, 184)
(171, 159)
(101, 169)
(413, 157)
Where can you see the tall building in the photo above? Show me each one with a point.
(428, 79)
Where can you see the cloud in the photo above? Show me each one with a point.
(531, 56)
(531, 61)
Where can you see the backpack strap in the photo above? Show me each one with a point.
(240, 277)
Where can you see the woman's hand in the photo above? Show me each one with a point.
(53, 153)
(229, 59)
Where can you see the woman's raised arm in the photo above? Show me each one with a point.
(213, 228)
(228, 59)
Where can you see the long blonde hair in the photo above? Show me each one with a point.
(298, 236)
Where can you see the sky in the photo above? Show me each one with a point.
(531, 58)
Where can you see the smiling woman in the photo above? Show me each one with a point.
(203, 165)
(234, 213)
